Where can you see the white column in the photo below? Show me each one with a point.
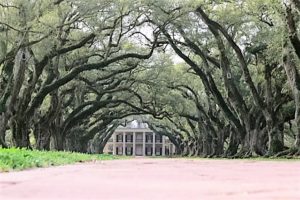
(114, 143)
(153, 147)
(163, 146)
(144, 143)
(124, 144)
(133, 149)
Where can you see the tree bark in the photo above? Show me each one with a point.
(294, 82)
(58, 141)
(42, 136)
(3, 124)
(20, 132)
(290, 66)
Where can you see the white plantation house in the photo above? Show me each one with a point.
(136, 139)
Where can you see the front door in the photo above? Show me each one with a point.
(139, 150)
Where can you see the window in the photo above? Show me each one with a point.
(120, 151)
(158, 138)
(119, 138)
(129, 137)
(139, 137)
(149, 138)
(129, 150)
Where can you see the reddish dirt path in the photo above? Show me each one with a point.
(150, 179)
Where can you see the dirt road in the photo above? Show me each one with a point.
(150, 179)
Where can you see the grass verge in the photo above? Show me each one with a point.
(19, 159)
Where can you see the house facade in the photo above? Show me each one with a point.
(136, 139)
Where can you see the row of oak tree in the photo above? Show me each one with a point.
(219, 78)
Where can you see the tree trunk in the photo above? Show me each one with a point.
(3, 124)
(294, 82)
(218, 144)
(233, 144)
(297, 118)
(290, 65)
(275, 144)
(42, 137)
(58, 140)
(105, 140)
(20, 133)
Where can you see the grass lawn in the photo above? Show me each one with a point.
(19, 159)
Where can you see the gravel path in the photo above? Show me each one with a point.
(150, 179)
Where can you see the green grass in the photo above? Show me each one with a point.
(19, 159)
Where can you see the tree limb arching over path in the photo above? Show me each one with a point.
(220, 79)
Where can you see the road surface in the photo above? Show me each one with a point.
(151, 179)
